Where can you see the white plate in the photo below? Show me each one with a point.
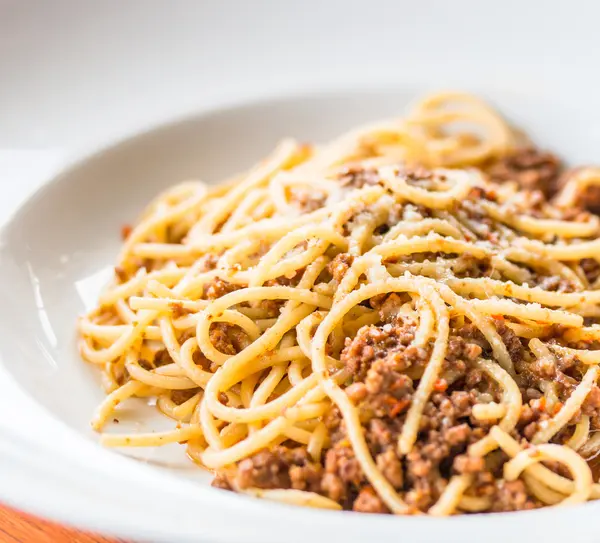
(115, 70)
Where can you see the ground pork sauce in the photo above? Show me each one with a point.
(385, 368)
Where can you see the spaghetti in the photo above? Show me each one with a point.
(393, 322)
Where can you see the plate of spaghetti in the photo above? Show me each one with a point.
(402, 320)
(344, 304)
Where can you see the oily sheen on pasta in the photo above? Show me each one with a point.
(404, 320)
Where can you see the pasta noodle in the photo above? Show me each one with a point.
(377, 324)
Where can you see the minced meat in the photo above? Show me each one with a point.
(530, 168)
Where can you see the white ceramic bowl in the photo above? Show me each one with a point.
(57, 249)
